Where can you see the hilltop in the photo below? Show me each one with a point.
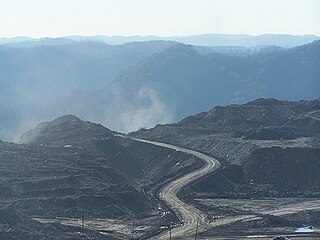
(67, 166)
(269, 147)
(136, 85)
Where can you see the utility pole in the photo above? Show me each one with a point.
(195, 237)
(170, 229)
(132, 231)
(82, 220)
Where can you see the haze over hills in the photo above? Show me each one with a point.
(283, 40)
(126, 87)
(187, 82)
(35, 82)
(157, 120)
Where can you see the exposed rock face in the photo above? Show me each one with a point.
(292, 169)
(260, 116)
(52, 181)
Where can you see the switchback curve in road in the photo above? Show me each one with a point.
(186, 213)
(310, 115)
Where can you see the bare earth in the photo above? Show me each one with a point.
(249, 210)
(189, 215)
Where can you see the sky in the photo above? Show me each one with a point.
(56, 18)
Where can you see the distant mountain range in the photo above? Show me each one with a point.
(141, 84)
(179, 81)
(283, 40)
(35, 82)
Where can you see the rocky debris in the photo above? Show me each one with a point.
(149, 165)
(268, 148)
(69, 165)
(57, 181)
(16, 225)
(63, 131)
(271, 145)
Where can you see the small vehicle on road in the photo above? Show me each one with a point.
(281, 238)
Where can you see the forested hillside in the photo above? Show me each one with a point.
(134, 85)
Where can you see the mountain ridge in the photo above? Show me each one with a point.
(155, 82)
(284, 40)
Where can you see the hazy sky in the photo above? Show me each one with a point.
(39, 18)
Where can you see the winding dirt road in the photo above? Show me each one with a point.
(314, 115)
(186, 213)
